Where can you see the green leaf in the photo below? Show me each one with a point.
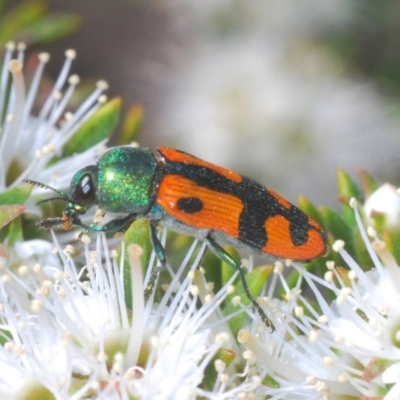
(361, 253)
(347, 189)
(19, 18)
(17, 195)
(375, 368)
(212, 269)
(346, 185)
(210, 373)
(9, 212)
(271, 382)
(52, 28)
(338, 228)
(98, 127)
(138, 233)
(256, 280)
(392, 241)
(178, 246)
(15, 233)
(309, 208)
(368, 182)
(131, 126)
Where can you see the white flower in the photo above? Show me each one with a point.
(349, 347)
(28, 141)
(70, 334)
(385, 200)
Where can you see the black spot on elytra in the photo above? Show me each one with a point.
(189, 205)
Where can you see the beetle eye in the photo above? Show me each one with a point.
(85, 191)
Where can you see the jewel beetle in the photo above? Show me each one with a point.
(188, 194)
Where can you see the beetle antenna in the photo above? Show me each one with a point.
(44, 186)
(51, 199)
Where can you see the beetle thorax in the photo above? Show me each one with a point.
(125, 180)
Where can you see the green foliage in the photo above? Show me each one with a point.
(347, 189)
(97, 128)
(31, 22)
(227, 356)
(11, 209)
(344, 227)
(17, 195)
(138, 233)
(256, 280)
(131, 126)
(9, 213)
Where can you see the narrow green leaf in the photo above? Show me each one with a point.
(368, 182)
(17, 195)
(52, 28)
(361, 253)
(256, 280)
(392, 241)
(344, 275)
(379, 220)
(271, 382)
(347, 189)
(19, 18)
(227, 356)
(138, 233)
(338, 228)
(95, 129)
(9, 212)
(15, 169)
(375, 368)
(131, 126)
(178, 246)
(346, 185)
(212, 269)
(15, 233)
(309, 208)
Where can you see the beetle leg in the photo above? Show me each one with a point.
(114, 225)
(224, 256)
(162, 257)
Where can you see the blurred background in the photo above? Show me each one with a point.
(283, 92)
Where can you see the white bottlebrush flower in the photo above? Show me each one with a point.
(386, 201)
(70, 335)
(344, 349)
(28, 140)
